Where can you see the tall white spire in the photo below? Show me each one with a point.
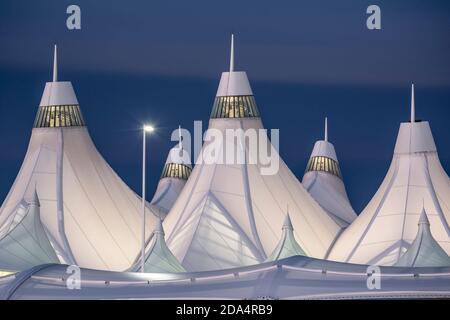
(413, 108)
(232, 54)
(326, 129)
(55, 64)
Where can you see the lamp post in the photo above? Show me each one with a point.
(146, 129)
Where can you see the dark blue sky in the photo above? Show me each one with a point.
(137, 61)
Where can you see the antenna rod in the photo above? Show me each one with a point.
(326, 129)
(55, 64)
(232, 54)
(413, 107)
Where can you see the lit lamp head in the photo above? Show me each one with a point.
(148, 128)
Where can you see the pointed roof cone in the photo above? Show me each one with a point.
(159, 257)
(288, 246)
(233, 205)
(425, 251)
(413, 108)
(73, 154)
(324, 181)
(175, 173)
(415, 153)
(23, 239)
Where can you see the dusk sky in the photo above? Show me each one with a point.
(160, 61)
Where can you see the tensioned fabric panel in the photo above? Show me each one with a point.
(256, 202)
(287, 246)
(216, 233)
(158, 256)
(110, 219)
(275, 194)
(39, 156)
(162, 260)
(330, 193)
(187, 228)
(167, 193)
(23, 242)
(102, 216)
(394, 212)
(424, 251)
(441, 183)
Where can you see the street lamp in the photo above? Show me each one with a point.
(146, 129)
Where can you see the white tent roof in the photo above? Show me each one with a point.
(288, 246)
(23, 241)
(324, 181)
(166, 194)
(159, 258)
(231, 215)
(91, 217)
(388, 225)
(424, 251)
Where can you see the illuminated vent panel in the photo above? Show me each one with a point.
(324, 164)
(174, 170)
(59, 116)
(235, 107)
